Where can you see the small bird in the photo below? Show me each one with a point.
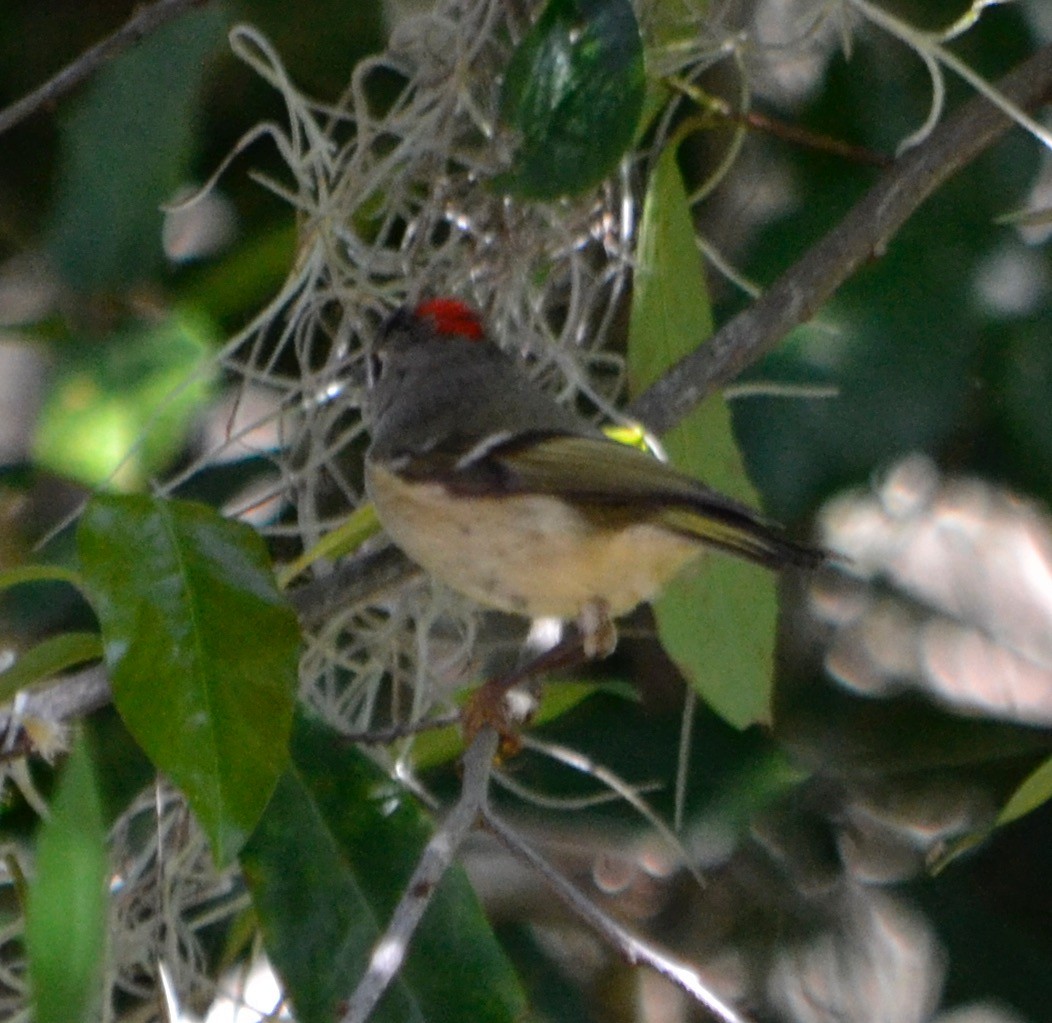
(505, 495)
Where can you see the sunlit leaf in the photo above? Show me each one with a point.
(66, 915)
(573, 92)
(341, 837)
(716, 622)
(1035, 790)
(201, 650)
(120, 412)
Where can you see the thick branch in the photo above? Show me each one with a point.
(134, 30)
(861, 236)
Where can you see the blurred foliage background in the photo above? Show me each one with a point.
(822, 834)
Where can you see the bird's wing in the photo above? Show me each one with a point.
(615, 483)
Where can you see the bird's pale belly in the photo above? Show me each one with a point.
(527, 554)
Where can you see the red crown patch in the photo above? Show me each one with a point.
(452, 318)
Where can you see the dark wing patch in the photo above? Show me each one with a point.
(615, 483)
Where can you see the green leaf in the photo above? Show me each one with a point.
(346, 538)
(125, 149)
(22, 574)
(342, 838)
(667, 26)
(717, 622)
(201, 649)
(573, 92)
(47, 659)
(66, 912)
(1035, 790)
(119, 413)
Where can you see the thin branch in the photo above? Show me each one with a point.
(401, 730)
(435, 860)
(635, 951)
(628, 793)
(73, 697)
(860, 237)
(359, 579)
(134, 30)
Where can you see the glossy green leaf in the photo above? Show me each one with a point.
(201, 649)
(717, 622)
(47, 659)
(66, 913)
(573, 92)
(1035, 790)
(119, 413)
(124, 150)
(341, 838)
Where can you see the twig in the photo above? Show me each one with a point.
(356, 580)
(400, 730)
(635, 951)
(861, 236)
(435, 860)
(134, 30)
(75, 696)
(801, 136)
(628, 793)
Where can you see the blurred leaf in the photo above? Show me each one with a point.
(345, 539)
(37, 574)
(126, 148)
(121, 767)
(202, 651)
(47, 659)
(1035, 790)
(66, 915)
(246, 278)
(911, 344)
(573, 92)
(1019, 383)
(120, 412)
(341, 837)
(667, 26)
(717, 623)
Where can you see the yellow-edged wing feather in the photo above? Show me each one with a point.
(617, 482)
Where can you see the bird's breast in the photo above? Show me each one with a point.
(529, 554)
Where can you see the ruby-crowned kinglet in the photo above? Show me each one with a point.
(508, 497)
